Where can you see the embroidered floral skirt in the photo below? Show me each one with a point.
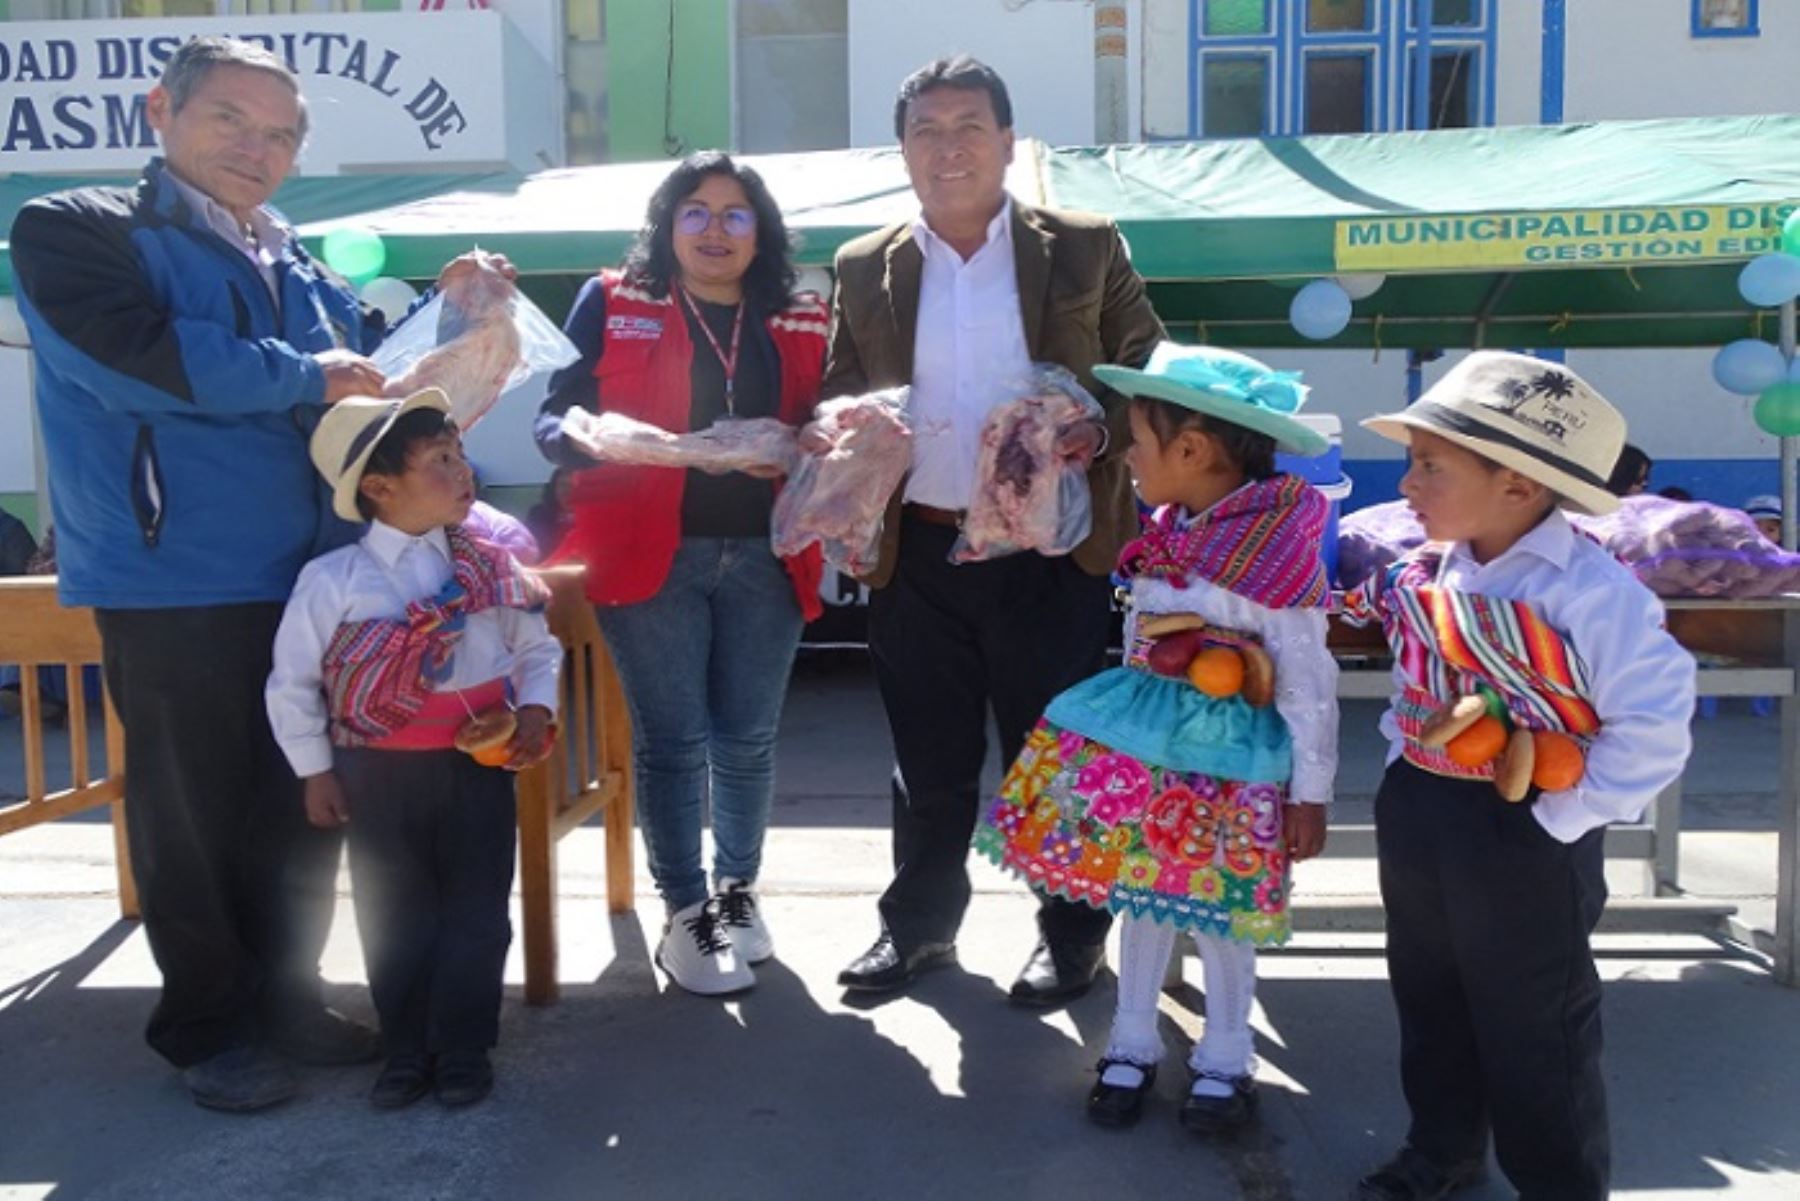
(1082, 821)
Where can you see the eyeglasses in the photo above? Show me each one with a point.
(694, 218)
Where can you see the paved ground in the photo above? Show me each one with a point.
(626, 1090)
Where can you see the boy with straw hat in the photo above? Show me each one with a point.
(413, 671)
(1530, 668)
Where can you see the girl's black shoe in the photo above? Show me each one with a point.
(1119, 1105)
(1220, 1115)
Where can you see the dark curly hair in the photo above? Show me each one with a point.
(650, 263)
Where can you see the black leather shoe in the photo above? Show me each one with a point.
(241, 1080)
(463, 1077)
(403, 1080)
(1055, 973)
(1119, 1105)
(1413, 1176)
(1221, 1115)
(325, 1038)
(885, 967)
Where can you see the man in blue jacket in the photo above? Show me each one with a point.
(186, 345)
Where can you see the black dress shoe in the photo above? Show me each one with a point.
(1119, 1105)
(404, 1079)
(1221, 1115)
(1056, 972)
(885, 967)
(241, 1080)
(463, 1077)
(1414, 1176)
(325, 1038)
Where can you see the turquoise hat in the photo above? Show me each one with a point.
(1225, 385)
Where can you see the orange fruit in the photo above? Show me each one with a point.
(1559, 764)
(1478, 745)
(497, 755)
(1218, 671)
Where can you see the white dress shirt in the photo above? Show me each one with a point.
(969, 350)
(1642, 680)
(378, 577)
(1306, 673)
(260, 241)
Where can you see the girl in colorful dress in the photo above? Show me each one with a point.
(1178, 789)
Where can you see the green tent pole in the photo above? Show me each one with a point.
(1790, 447)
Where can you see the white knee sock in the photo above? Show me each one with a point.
(1144, 949)
(1227, 1045)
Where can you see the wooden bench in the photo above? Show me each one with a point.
(588, 773)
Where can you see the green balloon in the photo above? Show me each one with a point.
(355, 253)
(1778, 409)
(1790, 234)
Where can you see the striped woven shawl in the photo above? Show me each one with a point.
(378, 673)
(1261, 542)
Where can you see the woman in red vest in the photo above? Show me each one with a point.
(702, 324)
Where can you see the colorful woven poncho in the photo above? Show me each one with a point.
(379, 673)
(1261, 542)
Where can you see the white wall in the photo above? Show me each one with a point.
(1043, 49)
(1637, 58)
(17, 472)
(1519, 52)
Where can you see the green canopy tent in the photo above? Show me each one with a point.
(302, 199)
(1608, 234)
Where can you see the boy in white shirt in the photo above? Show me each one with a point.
(1530, 667)
(394, 652)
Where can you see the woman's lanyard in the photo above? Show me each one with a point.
(728, 361)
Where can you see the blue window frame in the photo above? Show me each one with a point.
(1306, 47)
(1724, 19)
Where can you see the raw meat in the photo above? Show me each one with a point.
(838, 495)
(752, 444)
(1026, 496)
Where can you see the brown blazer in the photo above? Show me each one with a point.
(1081, 303)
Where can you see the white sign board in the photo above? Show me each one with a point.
(416, 91)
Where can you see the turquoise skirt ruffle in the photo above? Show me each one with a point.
(1174, 725)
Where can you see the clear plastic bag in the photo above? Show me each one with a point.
(475, 339)
(838, 496)
(732, 444)
(1027, 497)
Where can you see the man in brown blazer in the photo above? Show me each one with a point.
(958, 304)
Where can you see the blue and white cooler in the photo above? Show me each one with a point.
(1326, 473)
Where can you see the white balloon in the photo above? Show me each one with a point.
(813, 279)
(1362, 284)
(12, 325)
(390, 295)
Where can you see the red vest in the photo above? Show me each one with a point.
(626, 520)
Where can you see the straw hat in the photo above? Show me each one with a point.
(1763, 506)
(350, 431)
(1225, 385)
(1536, 417)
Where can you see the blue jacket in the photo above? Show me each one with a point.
(175, 400)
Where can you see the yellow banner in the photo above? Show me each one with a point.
(1559, 238)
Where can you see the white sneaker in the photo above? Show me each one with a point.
(741, 915)
(698, 955)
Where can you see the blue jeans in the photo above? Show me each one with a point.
(705, 667)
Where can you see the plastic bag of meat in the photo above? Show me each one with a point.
(732, 444)
(838, 496)
(1370, 539)
(1026, 496)
(475, 339)
(1693, 549)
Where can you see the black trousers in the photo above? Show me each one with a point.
(1488, 919)
(949, 642)
(236, 887)
(432, 835)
